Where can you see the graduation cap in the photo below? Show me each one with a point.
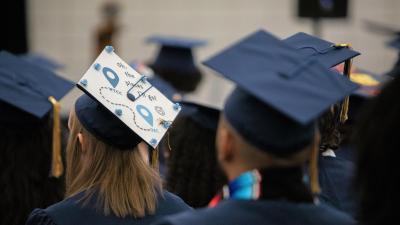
(279, 95)
(28, 93)
(204, 116)
(120, 107)
(42, 61)
(175, 61)
(328, 53)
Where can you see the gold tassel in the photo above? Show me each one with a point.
(345, 104)
(57, 168)
(313, 168)
(154, 158)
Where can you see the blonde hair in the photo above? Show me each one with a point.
(124, 183)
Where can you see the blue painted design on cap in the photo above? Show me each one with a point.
(145, 113)
(109, 48)
(97, 66)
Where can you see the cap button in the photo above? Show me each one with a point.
(83, 82)
(118, 112)
(97, 66)
(109, 48)
(153, 141)
(166, 124)
(177, 106)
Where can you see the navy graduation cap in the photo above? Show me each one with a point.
(27, 94)
(175, 61)
(328, 53)
(204, 116)
(120, 106)
(175, 52)
(42, 61)
(279, 95)
(28, 87)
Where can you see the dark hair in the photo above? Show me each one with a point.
(181, 80)
(329, 126)
(25, 161)
(193, 171)
(377, 141)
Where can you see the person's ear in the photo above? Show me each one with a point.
(224, 142)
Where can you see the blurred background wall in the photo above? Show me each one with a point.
(65, 29)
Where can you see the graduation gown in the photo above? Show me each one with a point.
(254, 212)
(283, 199)
(335, 178)
(69, 212)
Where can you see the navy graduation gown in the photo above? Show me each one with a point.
(69, 212)
(335, 178)
(254, 212)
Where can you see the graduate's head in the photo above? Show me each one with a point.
(266, 138)
(106, 156)
(193, 171)
(269, 118)
(110, 124)
(175, 62)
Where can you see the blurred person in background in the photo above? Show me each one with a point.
(30, 140)
(193, 171)
(266, 135)
(175, 62)
(376, 141)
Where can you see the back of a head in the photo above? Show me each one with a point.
(193, 172)
(25, 161)
(122, 179)
(376, 139)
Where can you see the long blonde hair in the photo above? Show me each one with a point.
(125, 184)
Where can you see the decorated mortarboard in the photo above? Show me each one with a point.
(121, 107)
(29, 92)
(204, 116)
(42, 61)
(175, 51)
(328, 53)
(279, 95)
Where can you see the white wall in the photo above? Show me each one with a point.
(63, 29)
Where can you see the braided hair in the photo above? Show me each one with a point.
(193, 171)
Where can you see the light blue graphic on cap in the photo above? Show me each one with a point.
(145, 113)
(111, 76)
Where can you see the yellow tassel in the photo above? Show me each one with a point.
(345, 104)
(57, 168)
(313, 168)
(154, 158)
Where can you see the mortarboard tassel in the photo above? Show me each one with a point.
(154, 158)
(313, 168)
(57, 168)
(346, 72)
